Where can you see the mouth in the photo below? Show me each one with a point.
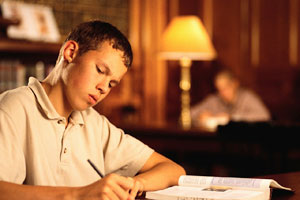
(93, 99)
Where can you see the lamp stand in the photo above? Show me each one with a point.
(185, 86)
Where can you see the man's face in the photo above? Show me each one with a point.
(227, 89)
(90, 77)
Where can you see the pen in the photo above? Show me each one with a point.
(95, 168)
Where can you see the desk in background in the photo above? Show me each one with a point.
(237, 149)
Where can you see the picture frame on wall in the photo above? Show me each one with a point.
(37, 22)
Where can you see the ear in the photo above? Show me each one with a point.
(70, 50)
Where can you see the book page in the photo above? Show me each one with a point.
(229, 182)
(274, 184)
(187, 193)
(195, 181)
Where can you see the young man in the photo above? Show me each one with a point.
(231, 102)
(49, 130)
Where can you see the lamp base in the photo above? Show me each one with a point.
(185, 85)
(185, 115)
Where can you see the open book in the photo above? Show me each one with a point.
(217, 188)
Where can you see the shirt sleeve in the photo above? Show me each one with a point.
(12, 161)
(251, 108)
(124, 154)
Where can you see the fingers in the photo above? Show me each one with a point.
(110, 195)
(113, 187)
(126, 183)
(117, 187)
(137, 188)
(122, 187)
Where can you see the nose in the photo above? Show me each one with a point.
(103, 86)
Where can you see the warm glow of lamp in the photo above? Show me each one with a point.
(186, 39)
(186, 36)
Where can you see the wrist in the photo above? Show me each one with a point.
(141, 181)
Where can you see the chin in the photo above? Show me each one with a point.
(82, 107)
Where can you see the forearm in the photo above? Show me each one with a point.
(112, 186)
(162, 175)
(14, 191)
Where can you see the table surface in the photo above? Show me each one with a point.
(291, 180)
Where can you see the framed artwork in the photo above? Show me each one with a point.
(37, 22)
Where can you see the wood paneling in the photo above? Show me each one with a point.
(274, 33)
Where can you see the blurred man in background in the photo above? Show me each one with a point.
(230, 103)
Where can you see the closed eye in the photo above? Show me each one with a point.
(113, 84)
(99, 70)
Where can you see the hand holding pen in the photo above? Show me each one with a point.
(115, 186)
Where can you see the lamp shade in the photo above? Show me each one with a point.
(186, 36)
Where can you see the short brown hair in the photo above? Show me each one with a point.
(90, 35)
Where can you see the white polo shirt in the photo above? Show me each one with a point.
(36, 149)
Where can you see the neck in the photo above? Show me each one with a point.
(57, 97)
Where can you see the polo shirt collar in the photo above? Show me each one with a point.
(46, 105)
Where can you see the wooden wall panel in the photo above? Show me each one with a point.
(147, 21)
(154, 69)
(276, 75)
(274, 33)
(226, 35)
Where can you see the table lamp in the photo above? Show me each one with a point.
(185, 39)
